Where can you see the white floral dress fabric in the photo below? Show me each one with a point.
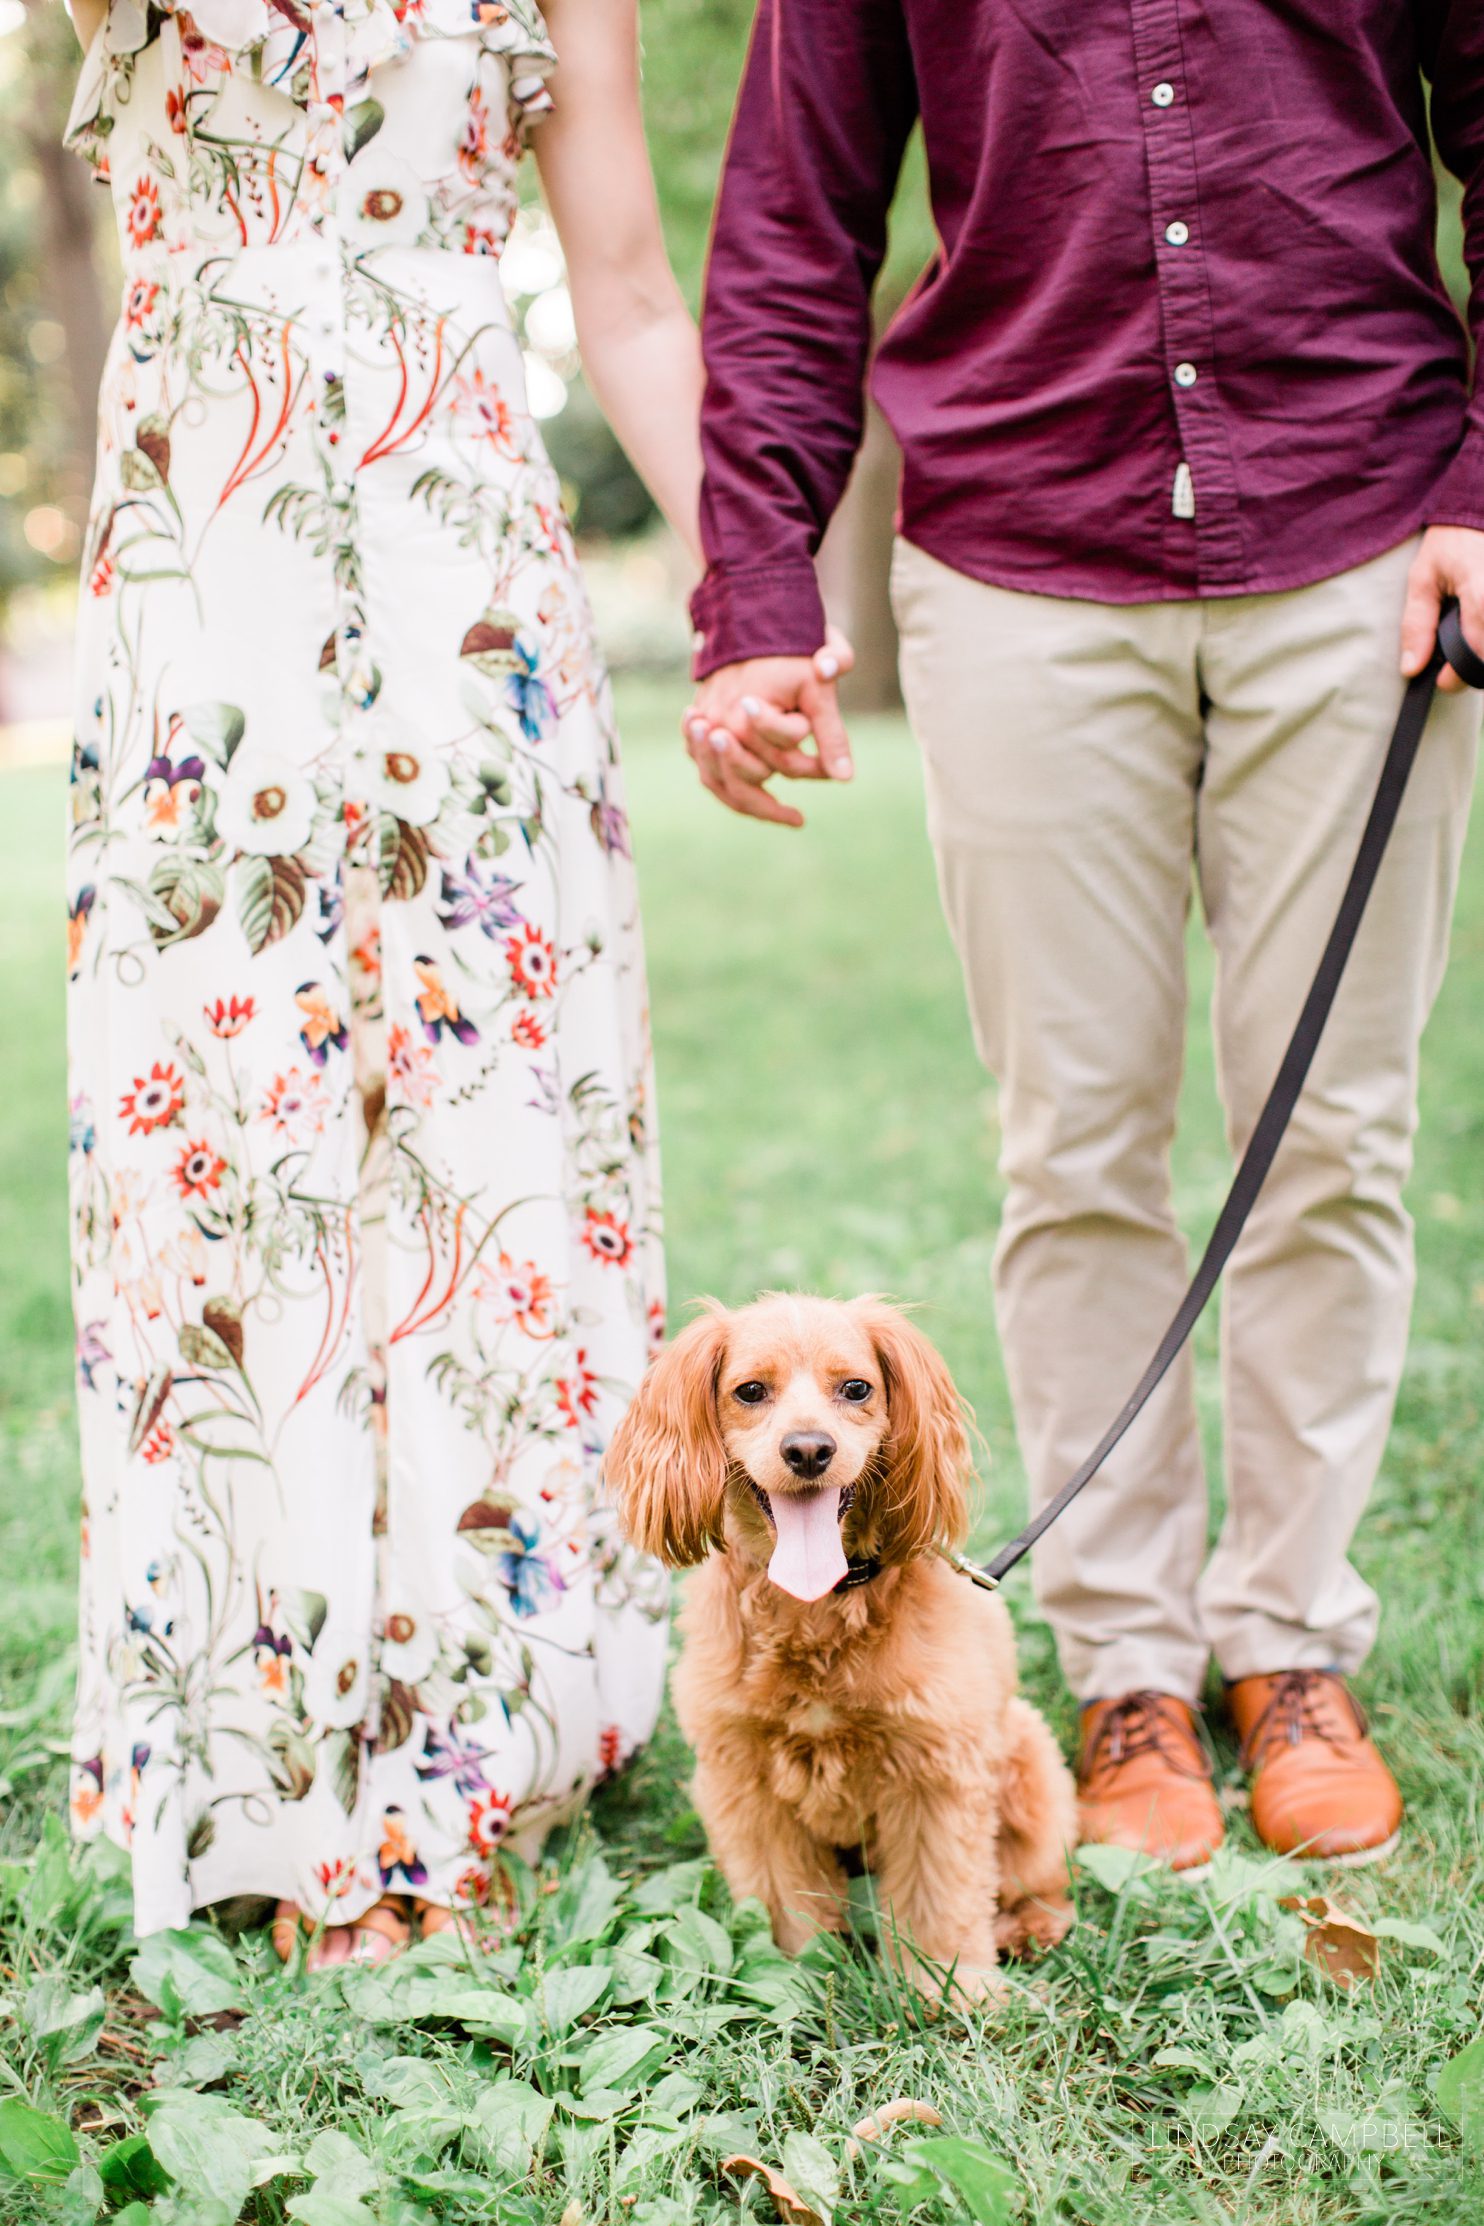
(366, 1220)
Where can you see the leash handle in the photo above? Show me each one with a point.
(1451, 647)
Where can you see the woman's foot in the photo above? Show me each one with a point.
(382, 1932)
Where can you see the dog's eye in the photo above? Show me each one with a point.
(751, 1394)
(856, 1390)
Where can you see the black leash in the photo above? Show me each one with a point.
(1451, 648)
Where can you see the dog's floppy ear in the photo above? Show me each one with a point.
(667, 1465)
(924, 1494)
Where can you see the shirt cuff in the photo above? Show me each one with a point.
(1458, 498)
(755, 610)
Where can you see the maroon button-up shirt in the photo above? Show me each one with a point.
(1185, 334)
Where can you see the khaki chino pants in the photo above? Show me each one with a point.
(1085, 762)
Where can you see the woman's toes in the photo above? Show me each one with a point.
(333, 1947)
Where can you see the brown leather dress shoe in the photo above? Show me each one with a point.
(1145, 1779)
(1319, 1788)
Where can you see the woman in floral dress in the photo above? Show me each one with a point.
(366, 1222)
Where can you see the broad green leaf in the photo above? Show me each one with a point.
(67, 2023)
(206, 2146)
(362, 123)
(698, 1943)
(1409, 1935)
(129, 2168)
(34, 2146)
(215, 728)
(584, 1905)
(334, 2156)
(568, 1995)
(513, 2119)
(986, 2186)
(81, 2199)
(669, 1890)
(1212, 2109)
(812, 2172)
(599, 2105)
(197, 1964)
(616, 2054)
(1460, 2091)
(1119, 1869)
(323, 2208)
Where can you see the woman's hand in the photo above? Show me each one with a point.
(749, 722)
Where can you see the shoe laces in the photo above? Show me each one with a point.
(1140, 1723)
(1302, 1705)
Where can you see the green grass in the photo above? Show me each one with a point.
(826, 1124)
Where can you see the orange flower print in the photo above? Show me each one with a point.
(142, 220)
(410, 1066)
(297, 1104)
(100, 582)
(610, 1749)
(87, 1793)
(159, 1445)
(398, 1853)
(229, 1016)
(77, 927)
(175, 110)
(322, 1026)
(489, 1814)
(480, 240)
(164, 802)
(365, 956)
(533, 962)
(486, 410)
(607, 1238)
(527, 1029)
(474, 140)
(519, 1293)
(656, 1319)
(577, 1394)
(155, 1101)
(336, 1878)
(199, 1171)
(139, 300)
(437, 1007)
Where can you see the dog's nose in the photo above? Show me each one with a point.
(808, 1452)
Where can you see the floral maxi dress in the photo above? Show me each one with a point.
(366, 1233)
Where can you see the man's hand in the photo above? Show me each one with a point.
(749, 721)
(1449, 562)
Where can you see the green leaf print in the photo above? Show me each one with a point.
(216, 729)
(303, 1614)
(191, 891)
(199, 1348)
(153, 1393)
(362, 123)
(343, 1756)
(401, 858)
(269, 894)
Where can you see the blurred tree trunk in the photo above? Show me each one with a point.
(70, 226)
(855, 558)
(854, 568)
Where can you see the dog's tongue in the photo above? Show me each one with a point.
(808, 1558)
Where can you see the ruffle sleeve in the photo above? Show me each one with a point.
(311, 50)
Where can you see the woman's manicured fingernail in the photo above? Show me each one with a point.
(720, 740)
(826, 665)
(752, 706)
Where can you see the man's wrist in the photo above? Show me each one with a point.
(755, 610)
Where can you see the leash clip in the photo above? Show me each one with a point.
(965, 1568)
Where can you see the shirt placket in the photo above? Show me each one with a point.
(1204, 488)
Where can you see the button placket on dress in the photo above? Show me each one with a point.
(1204, 485)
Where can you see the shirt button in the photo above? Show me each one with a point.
(1186, 374)
(1177, 233)
(1163, 94)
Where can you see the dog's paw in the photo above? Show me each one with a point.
(982, 1985)
(1028, 1928)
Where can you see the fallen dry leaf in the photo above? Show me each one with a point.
(875, 2127)
(572, 2215)
(1338, 1942)
(787, 2202)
